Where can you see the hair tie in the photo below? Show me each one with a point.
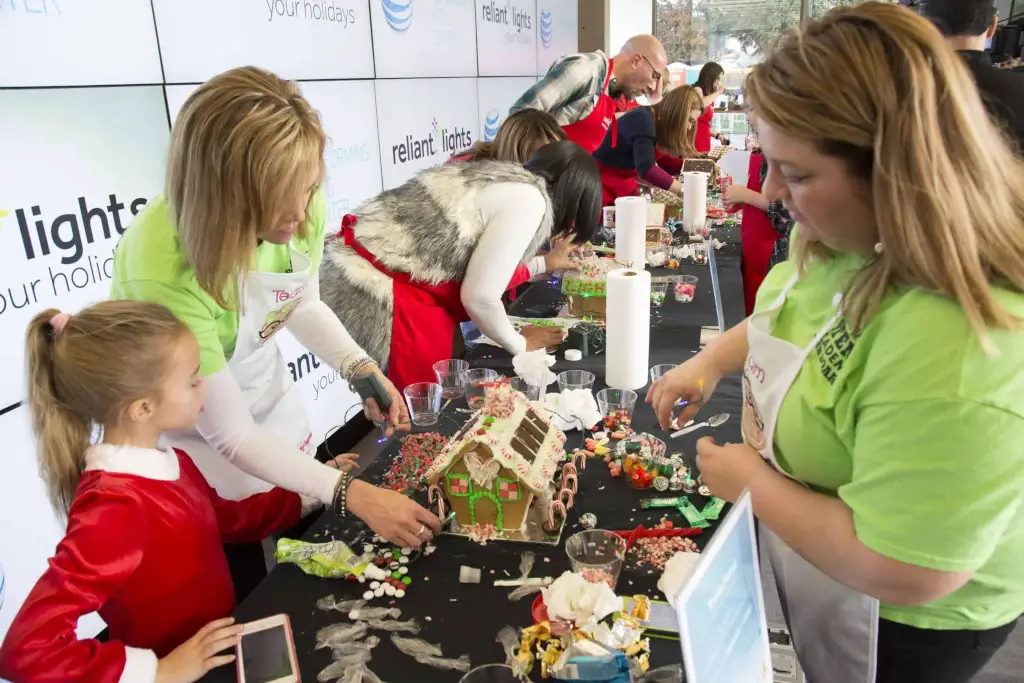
(59, 322)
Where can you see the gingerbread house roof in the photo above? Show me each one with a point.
(518, 435)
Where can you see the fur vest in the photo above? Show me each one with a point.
(427, 228)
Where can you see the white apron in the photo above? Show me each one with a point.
(268, 300)
(834, 628)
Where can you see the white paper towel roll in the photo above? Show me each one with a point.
(631, 230)
(695, 198)
(628, 333)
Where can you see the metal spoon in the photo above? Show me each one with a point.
(713, 421)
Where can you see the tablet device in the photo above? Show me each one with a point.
(266, 652)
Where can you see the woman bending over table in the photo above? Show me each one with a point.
(519, 136)
(883, 367)
(414, 262)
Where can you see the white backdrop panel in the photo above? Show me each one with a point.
(423, 38)
(90, 158)
(557, 31)
(496, 95)
(293, 38)
(422, 123)
(77, 42)
(506, 37)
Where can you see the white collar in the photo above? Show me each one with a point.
(150, 463)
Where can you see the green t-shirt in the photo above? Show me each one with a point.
(917, 431)
(149, 264)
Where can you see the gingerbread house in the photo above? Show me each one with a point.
(491, 471)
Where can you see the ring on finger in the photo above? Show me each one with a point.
(423, 527)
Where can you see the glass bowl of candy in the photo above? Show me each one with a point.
(658, 292)
(616, 406)
(685, 288)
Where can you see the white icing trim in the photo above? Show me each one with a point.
(150, 463)
(139, 666)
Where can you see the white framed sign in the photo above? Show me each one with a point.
(77, 42)
(506, 37)
(495, 96)
(557, 31)
(423, 38)
(428, 134)
(307, 39)
(89, 160)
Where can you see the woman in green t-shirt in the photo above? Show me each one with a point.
(883, 366)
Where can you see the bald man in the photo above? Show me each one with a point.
(582, 91)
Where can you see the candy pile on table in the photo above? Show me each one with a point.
(684, 291)
(655, 552)
(388, 575)
(672, 263)
(412, 462)
(657, 299)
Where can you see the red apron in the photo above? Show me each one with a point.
(424, 317)
(702, 140)
(589, 132)
(617, 182)
(758, 236)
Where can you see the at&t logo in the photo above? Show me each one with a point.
(545, 28)
(398, 14)
(491, 123)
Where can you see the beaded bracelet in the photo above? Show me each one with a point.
(340, 499)
(358, 366)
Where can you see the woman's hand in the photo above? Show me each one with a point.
(395, 517)
(682, 382)
(730, 469)
(542, 337)
(346, 462)
(398, 414)
(736, 194)
(559, 258)
(191, 660)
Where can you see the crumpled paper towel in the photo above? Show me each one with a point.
(677, 571)
(571, 407)
(656, 259)
(572, 598)
(535, 367)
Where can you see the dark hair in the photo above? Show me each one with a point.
(709, 73)
(574, 185)
(520, 135)
(959, 17)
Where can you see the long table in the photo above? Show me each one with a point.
(465, 618)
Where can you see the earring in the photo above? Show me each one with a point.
(879, 248)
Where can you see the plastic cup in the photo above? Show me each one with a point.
(476, 382)
(660, 370)
(700, 252)
(449, 376)
(491, 673)
(658, 291)
(597, 555)
(685, 289)
(531, 391)
(575, 379)
(424, 401)
(616, 403)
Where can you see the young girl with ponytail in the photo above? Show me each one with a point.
(144, 536)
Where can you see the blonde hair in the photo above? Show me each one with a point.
(674, 131)
(83, 372)
(948, 191)
(240, 145)
(518, 137)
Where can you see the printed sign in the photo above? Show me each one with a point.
(557, 31)
(423, 38)
(496, 95)
(506, 37)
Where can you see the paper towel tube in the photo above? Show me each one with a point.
(631, 230)
(695, 199)
(628, 328)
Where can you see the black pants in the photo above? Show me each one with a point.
(915, 655)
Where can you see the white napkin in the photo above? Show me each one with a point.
(535, 367)
(571, 407)
(572, 598)
(677, 572)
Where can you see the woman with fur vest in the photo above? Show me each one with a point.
(411, 264)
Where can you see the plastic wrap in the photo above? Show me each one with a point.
(526, 563)
(352, 647)
(370, 677)
(328, 603)
(461, 664)
(341, 669)
(410, 626)
(336, 634)
(666, 674)
(525, 590)
(521, 662)
(331, 560)
(415, 647)
(374, 613)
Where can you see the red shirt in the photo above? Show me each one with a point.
(147, 555)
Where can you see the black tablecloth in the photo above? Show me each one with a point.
(465, 618)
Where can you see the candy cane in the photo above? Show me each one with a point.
(568, 469)
(579, 459)
(434, 495)
(559, 507)
(566, 496)
(571, 483)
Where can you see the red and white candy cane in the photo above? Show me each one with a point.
(567, 496)
(568, 469)
(434, 495)
(570, 483)
(556, 511)
(579, 460)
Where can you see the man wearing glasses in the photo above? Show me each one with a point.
(583, 91)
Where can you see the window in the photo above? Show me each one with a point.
(458, 485)
(508, 490)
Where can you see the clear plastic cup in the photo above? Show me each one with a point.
(491, 673)
(575, 379)
(476, 382)
(659, 370)
(449, 376)
(531, 391)
(616, 403)
(597, 555)
(685, 288)
(700, 252)
(658, 291)
(424, 401)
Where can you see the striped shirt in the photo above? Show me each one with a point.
(570, 89)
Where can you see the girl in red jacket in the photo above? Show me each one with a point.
(144, 538)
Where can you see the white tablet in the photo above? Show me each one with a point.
(266, 652)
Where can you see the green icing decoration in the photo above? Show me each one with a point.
(477, 495)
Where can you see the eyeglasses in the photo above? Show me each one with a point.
(657, 74)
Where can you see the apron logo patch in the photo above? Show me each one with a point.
(833, 350)
(277, 319)
(752, 423)
(282, 295)
(754, 371)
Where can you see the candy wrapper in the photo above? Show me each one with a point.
(331, 560)
(340, 667)
(461, 664)
(573, 599)
(429, 654)
(354, 647)
(337, 634)
(374, 613)
(521, 662)
(535, 367)
(410, 626)
(590, 662)
(328, 603)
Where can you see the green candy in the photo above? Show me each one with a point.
(407, 580)
(396, 575)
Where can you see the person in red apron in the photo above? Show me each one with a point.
(442, 248)
(582, 90)
(756, 230)
(709, 86)
(638, 146)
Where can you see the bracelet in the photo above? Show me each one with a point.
(340, 499)
(358, 366)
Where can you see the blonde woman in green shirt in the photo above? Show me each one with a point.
(233, 249)
(883, 366)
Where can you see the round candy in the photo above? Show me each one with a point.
(403, 570)
(588, 520)
(354, 614)
(660, 484)
(407, 551)
(403, 560)
(375, 585)
(394, 565)
(368, 595)
(379, 592)
(406, 580)
(389, 589)
(399, 593)
(704, 491)
(367, 548)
